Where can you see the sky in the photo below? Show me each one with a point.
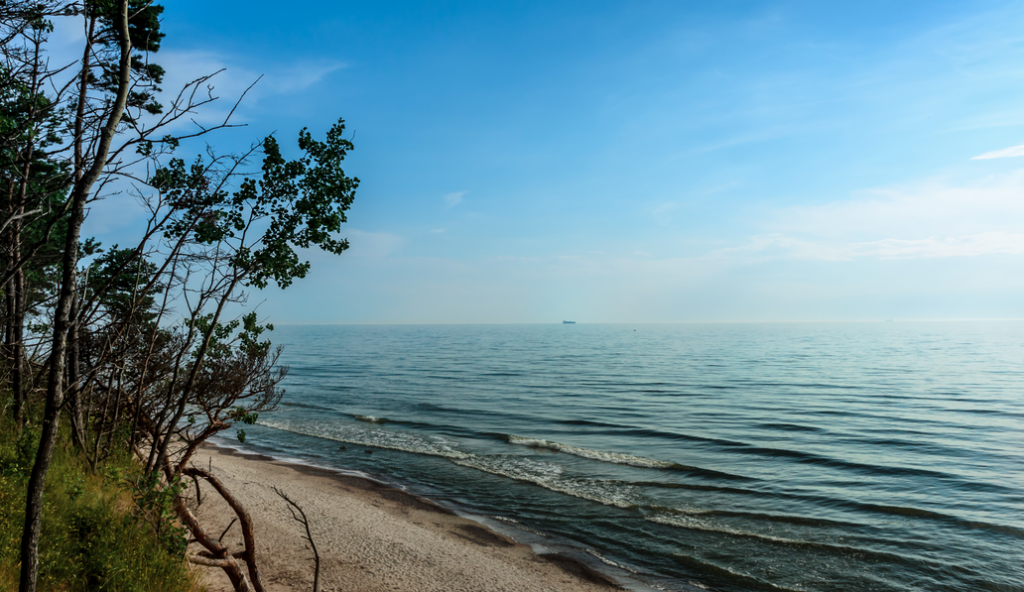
(532, 162)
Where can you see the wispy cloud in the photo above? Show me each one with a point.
(914, 211)
(785, 247)
(234, 78)
(664, 208)
(301, 77)
(986, 243)
(227, 85)
(373, 245)
(931, 219)
(1010, 152)
(453, 199)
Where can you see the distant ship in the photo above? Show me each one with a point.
(568, 322)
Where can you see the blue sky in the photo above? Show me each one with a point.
(640, 161)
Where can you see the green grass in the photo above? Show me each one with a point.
(94, 535)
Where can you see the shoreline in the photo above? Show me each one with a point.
(374, 537)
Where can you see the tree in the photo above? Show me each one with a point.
(86, 172)
(138, 342)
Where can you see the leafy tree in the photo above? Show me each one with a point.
(139, 342)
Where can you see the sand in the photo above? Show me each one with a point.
(370, 537)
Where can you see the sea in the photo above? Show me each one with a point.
(884, 456)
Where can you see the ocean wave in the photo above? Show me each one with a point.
(610, 457)
(785, 518)
(546, 475)
(306, 406)
(550, 476)
(519, 525)
(377, 438)
(607, 561)
(703, 566)
(619, 458)
(369, 419)
(688, 521)
(638, 575)
(938, 516)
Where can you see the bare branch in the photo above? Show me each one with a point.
(301, 518)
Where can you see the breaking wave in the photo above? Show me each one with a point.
(550, 476)
(619, 458)
(688, 521)
(368, 436)
(369, 419)
(610, 457)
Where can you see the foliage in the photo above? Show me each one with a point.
(155, 502)
(95, 537)
(145, 34)
(116, 276)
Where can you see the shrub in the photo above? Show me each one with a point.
(94, 536)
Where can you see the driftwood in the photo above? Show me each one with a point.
(199, 494)
(300, 517)
(230, 524)
(217, 555)
(222, 558)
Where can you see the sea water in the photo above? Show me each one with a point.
(813, 456)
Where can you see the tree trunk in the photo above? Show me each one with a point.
(61, 324)
(10, 302)
(16, 287)
(73, 390)
(117, 409)
(18, 373)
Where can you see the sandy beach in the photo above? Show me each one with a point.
(370, 537)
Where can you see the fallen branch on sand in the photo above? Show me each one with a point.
(301, 518)
(217, 555)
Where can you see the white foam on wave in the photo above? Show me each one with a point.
(369, 419)
(549, 476)
(609, 457)
(734, 573)
(361, 435)
(607, 561)
(688, 521)
(519, 525)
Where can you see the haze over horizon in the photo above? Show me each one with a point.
(637, 162)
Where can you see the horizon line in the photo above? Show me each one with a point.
(894, 320)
